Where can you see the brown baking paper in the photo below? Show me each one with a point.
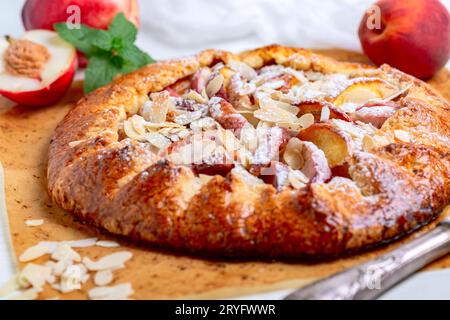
(153, 273)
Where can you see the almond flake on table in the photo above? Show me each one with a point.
(83, 243)
(108, 262)
(34, 275)
(107, 244)
(35, 252)
(71, 279)
(59, 267)
(65, 252)
(118, 292)
(34, 222)
(103, 277)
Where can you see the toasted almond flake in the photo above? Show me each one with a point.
(59, 267)
(83, 243)
(108, 262)
(306, 120)
(103, 277)
(274, 114)
(265, 103)
(34, 252)
(34, 275)
(293, 154)
(34, 223)
(214, 85)
(244, 69)
(138, 124)
(206, 123)
(118, 292)
(325, 114)
(146, 110)
(402, 135)
(278, 95)
(188, 117)
(153, 126)
(158, 140)
(107, 244)
(273, 84)
(161, 105)
(131, 132)
(368, 143)
(297, 179)
(65, 252)
(71, 279)
(73, 144)
(194, 95)
(229, 140)
(49, 244)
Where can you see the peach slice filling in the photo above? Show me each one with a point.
(25, 58)
(261, 124)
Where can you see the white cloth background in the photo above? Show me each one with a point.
(173, 28)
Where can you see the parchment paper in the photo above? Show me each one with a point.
(154, 274)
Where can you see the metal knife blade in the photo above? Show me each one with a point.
(373, 278)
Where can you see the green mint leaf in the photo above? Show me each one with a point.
(100, 71)
(85, 39)
(102, 40)
(110, 52)
(123, 29)
(134, 57)
(80, 38)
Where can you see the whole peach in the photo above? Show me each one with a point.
(43, 14)
(414, 35)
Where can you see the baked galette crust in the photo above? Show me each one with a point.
(119, 184)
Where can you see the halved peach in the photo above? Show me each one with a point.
(364, 91)
(334, 143)
(316, 107)
(36, 69)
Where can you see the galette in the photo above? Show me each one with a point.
(274, 152)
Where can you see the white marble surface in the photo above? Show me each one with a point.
(173, 28)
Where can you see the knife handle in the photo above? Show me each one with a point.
(371, 279)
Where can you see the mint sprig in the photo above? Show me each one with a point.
(110, 52)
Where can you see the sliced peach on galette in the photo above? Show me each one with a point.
(335, 144)
(376, 113)
(362, 92)
(322, 110)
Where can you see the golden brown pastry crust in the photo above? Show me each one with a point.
(117, 185)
